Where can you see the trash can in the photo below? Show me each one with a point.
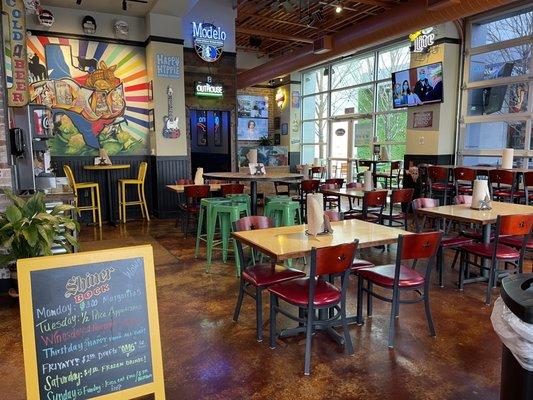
(512, 319)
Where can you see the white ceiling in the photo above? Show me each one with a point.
(106, 6)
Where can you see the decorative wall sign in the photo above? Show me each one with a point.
(18, 90)
(217, 134)
(208, 88)
(201, 128)
(295, 99)
(88, 25)
(97, 92)
(284, 128)
(167, 66)
(46, 18)
(423, 119)
(90, 325)
(281, 96)
(151, 120)
(422, 40)
(170, 123)
(208, 40)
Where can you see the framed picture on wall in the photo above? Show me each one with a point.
(151, 120)
(284, 128)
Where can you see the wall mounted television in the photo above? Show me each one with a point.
(417, 86)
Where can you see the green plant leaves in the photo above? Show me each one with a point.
(13, 214)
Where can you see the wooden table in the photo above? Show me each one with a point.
(292, 242)
(463, 213)
(213, 187)
(253, 179)
(108, 169)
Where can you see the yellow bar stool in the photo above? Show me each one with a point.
(95, 194)
(141, 199)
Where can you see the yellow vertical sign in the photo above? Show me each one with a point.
(18, 92)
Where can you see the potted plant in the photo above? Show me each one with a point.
(28, 230)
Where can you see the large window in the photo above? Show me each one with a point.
(497, 106)
(347, 106)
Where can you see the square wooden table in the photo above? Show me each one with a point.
(292, 242)
(213, 187)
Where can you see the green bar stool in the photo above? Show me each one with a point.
(224, 214)
(284, 213)
(206, 211)
(277, 198)
(241, 198)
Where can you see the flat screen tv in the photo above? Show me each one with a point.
(417, 86)
(251, 128)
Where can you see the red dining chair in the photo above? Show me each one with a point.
(306, 186)
(503, 185)
(184, 182)
(402, 197)
(191, 207)
(394, 174)
(400, 278)
(318, 172)
(353, 185)
(528, 186)
(315, 293)
(231, 188)
(334, 201)
(439, 183)
(464, 180)
(373, 204)
(282, 188)
(257, 277)
(446, 243)
(517, 226)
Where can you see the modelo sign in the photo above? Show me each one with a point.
(208, 40)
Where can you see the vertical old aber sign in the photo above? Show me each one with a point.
(18, 92)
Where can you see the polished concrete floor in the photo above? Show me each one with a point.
(208, 356)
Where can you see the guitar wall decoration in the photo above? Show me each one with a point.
(170, 123)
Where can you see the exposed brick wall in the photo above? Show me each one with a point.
(5, 170)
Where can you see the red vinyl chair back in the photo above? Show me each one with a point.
(332, 260)
(464, 174)
(437, 174)
(419, 246)
(516, 225)
(335, 181)
(354, 185)
(402, 196)
(334, 216)
(253, 222)
(310, 185)
(502, 177)
(395, 166)
(364, 163)
(528, 178)
(232, 188)
(375, 199)
(184, 182)
(194, 193)
(463, 199)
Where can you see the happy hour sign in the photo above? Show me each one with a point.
(92, 331)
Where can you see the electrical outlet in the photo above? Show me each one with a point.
(421, 140)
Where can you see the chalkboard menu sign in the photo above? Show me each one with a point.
(90, 326)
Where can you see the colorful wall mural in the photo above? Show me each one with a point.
(98, 93)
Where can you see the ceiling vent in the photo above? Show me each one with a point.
(434, 5)
(323, 45)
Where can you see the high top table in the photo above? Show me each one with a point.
(253, 179)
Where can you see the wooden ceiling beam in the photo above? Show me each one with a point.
(273, 35)
(281, 21)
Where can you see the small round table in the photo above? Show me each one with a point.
(108, 169)
(253, 179)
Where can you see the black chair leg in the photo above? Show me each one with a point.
(369, 299)
(273, 312)
(348, 346)
(395, 298)
(238, 306)
(428, 312)
(491, 282)
(308, 341)
(360, 283)
(440, 262)
(462, 262)
(259, 313)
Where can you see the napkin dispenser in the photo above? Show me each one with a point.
(199, 176)
(368, 181)
(480, 195)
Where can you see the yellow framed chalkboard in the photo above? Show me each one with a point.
(90, 326)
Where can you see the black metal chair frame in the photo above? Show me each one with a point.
(494, 272)
(306, 319)
(396, 295)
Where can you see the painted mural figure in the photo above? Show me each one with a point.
(97, 92)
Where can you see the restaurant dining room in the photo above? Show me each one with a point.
(266, 199)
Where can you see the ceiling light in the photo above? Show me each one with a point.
(338, 8)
